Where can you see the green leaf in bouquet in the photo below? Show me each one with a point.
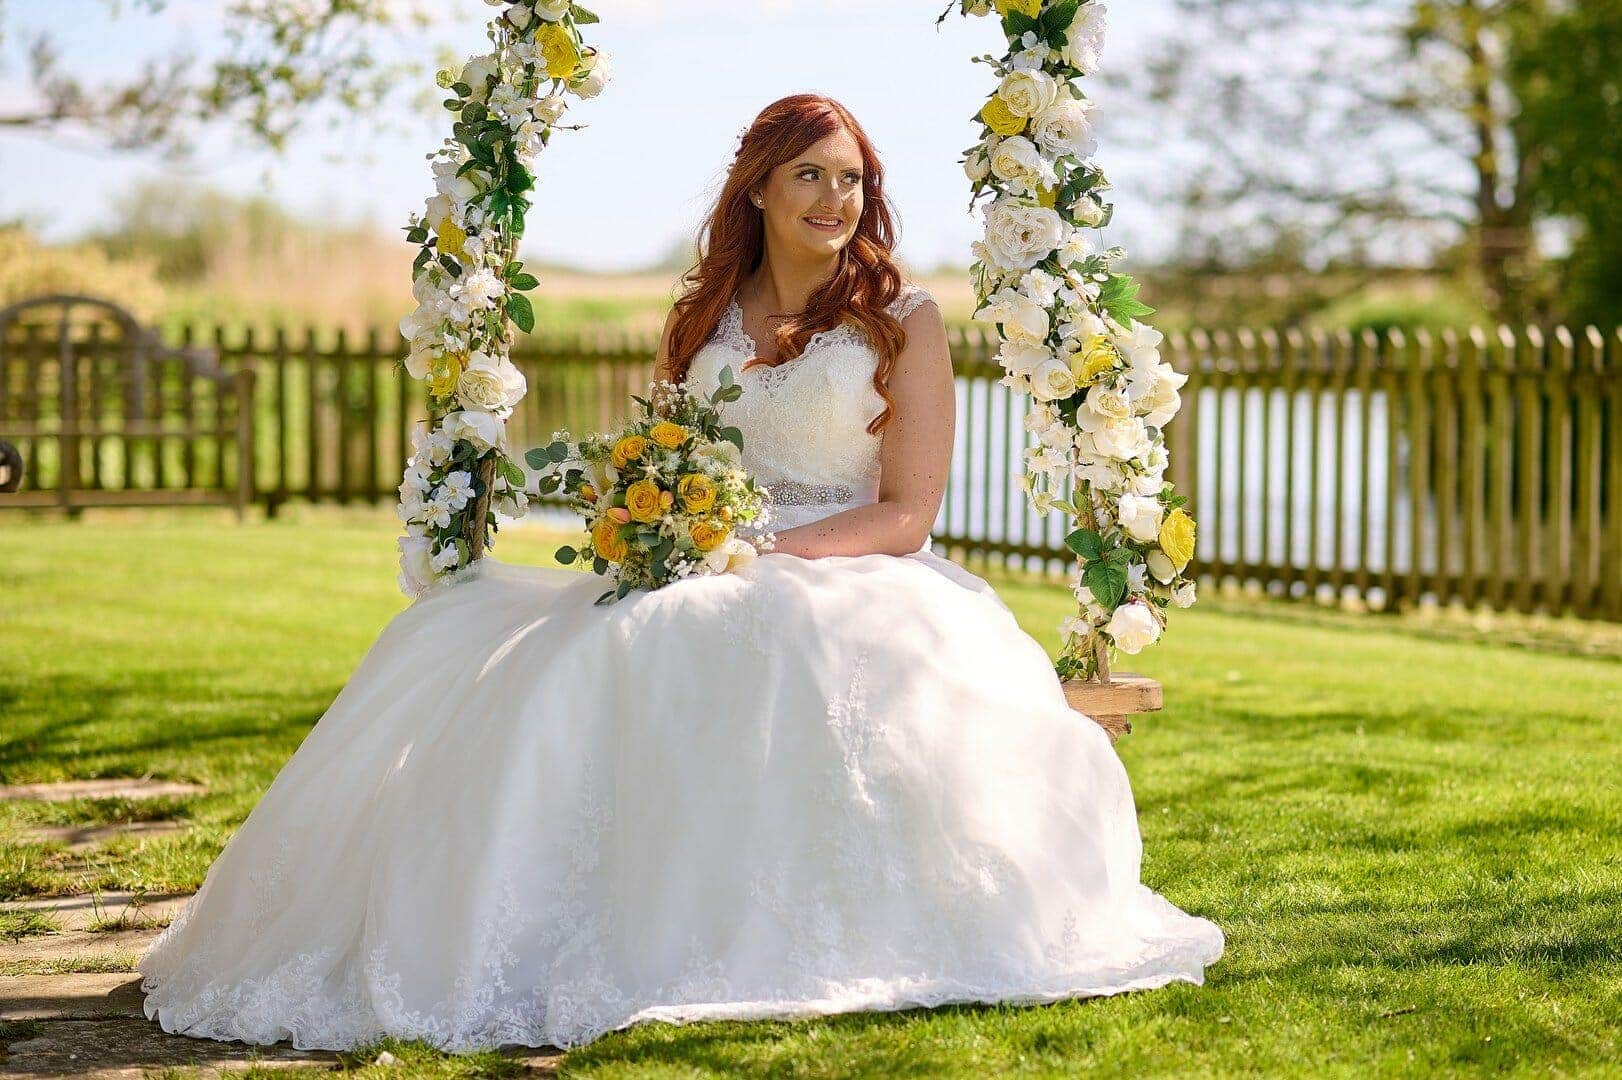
(730, 393)
(523, 313)
(558, 451)
(725, 377)
(1086, 543)
(1107, 582)
(599, 565)
(549, 484)
(567, 555)
(607, 598)
(538, 458)
(514, 472)
(582, 17)
(732, 435)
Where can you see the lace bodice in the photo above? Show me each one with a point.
(804, 422)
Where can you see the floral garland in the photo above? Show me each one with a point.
(469, 284)
(1070, 335)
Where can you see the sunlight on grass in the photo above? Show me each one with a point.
(1410, 837)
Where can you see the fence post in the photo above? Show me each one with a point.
(242, 382)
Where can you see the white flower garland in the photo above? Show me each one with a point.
(470, 286)
(1070, 335)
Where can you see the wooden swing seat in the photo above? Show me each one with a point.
(1112, 704)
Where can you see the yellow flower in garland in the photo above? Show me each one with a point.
(1033, 8)
(1097, 356)
(1047, 196)
(642, 500)
(1177, 538)
(628, 450)
(1000, 118)
(697, 493)
(444, 372)
(667, 434)
(707, 536)
(605, 538)
(452, 237)
(558, 49)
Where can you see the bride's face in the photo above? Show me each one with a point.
(812, 202)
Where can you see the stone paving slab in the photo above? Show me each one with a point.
(76, 912)
(98, 996)
(119, 1049)
(81, 838)
(79, 944)
(112, 787)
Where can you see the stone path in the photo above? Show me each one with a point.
(91, 1024)
(70, 998)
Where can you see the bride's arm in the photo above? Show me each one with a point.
(914, 457)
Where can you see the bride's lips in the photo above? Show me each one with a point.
(813, 221)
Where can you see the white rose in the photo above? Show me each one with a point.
(1027, 93)
(1052, 381)
(1084, 39)
(1140, 517)
(1066, 128)
(445, 558)
(416, 571)
(492, 384)
(1022, 357)
(1103, 405)
(1088, 211)
(477, 74)
(1020, 235)
(1184, 596)
(1160, 405)
(730, 557)
(552, 10)
(977, 166)
(1133, 627)
(481, 429)
(1017, 158)
(598, 72)
(1025, 320)
(1122, 440)
(1160, 565)
(550, 108)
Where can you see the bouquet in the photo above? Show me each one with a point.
(664, 496)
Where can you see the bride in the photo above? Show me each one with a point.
(839, 778)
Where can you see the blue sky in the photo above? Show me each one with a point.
(690, 74)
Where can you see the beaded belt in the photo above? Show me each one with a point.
(791, 493)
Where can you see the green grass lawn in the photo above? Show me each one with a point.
(1411, 837)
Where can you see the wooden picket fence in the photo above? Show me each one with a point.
(1482, 467)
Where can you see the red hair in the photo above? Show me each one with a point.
(732, 243)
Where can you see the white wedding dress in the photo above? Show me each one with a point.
(810, 787)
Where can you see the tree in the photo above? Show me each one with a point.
(282, 58)
(1568, 80)
(1388, 129)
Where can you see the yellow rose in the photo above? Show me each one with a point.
(1000, 118)
(1177, 538)
(444, 372)
(451, 238)
(606, 539)
(697, 493)
(628, 450)
(1033, 8)
(707, 536)
(1096, 357)
(667, 434)
(558, 49)
(642, 500)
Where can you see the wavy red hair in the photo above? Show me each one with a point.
(864, 282)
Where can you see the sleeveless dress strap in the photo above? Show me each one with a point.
(912, 295)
